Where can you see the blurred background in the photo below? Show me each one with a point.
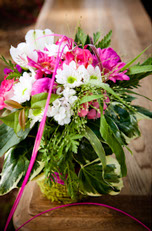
(16, 18)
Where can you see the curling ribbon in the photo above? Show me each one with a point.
(38, 136)
(86, 203)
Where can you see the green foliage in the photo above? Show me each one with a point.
(39, 100)
(81, 38)
(96, 144)
(136, 73)
(105, 42)
(16, 164)
(133, 60)
(124, 119)
(112, 141)
(142, 113)
(92, 182)
(88, 98)
(8, 63)
(12, 120)
(15, 74)
(96, 37)
(9, 138)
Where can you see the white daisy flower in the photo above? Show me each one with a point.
(82, 71)
(36, 115)
(94, 73)
(22, 89)
(69, 76)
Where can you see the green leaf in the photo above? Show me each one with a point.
(8, 63)
(80, 37)
(15, 166)
(143, 113)
(109, 137)
(8, 137)
(12, 120)
(132, 61)
(135, 93)
(139, 69)
(124, 119)
(92, 182)
(13, 75)
(39, 100)
(105, 42)
(88, 98)
(96, 37)
(115, 130)
(106, 87)
(96, 144)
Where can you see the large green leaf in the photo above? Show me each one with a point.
(15, 166)
(133, 60)
(142, 113)
(112, 141)
(88, 98)
(8, 137)
(39, 100)
(124, 119)
(92, 182)
(96, 144)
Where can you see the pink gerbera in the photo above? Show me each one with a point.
(6, 91)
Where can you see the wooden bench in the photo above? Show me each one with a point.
(131, 34)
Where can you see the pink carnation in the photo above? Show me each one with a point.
(80, 56)
(6, 92)
(112, 64)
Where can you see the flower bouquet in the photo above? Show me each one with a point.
(85, 92)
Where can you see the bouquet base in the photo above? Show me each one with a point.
(57, 192)
(76, 218)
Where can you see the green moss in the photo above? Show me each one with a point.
(56, 192)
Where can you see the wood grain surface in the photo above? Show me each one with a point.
(131, 34)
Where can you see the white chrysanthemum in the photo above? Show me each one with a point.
(62, 109)
(69, 76)
(36, 115)
(94, 73)
(22, 89)
(82, 71)
(34, 41)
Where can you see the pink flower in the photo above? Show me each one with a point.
(80, 56)
(92, 114)
(44, 64)
(112, 64)
(84, 110)
(6, 92)
(41, 85)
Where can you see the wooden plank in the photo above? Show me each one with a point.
(131, 34)
(86, 217)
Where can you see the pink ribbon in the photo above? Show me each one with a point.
(38, 138)
(85, 203)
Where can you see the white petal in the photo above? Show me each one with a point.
(36, 40)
